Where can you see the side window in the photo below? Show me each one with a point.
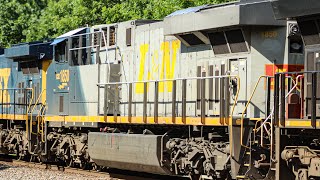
(79, 50)
(104, 36)
(112, 36)
(95, 37)
(60, 52)
(74, 53)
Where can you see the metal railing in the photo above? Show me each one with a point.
(307, 79)
(224, 98)
(268, 114)
(247, 105)
(41, 121)
(29, 130)
(34, 106)
(8, 100)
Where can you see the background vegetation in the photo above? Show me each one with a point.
(30, 20)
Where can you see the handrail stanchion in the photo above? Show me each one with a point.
(116, 103)
(184, 101)
(174, 96)
(282, 99)
(14, 104)
(156, 102)
(130, 103)
(276, 99)
(314, 100)
(145, 99)
(221, 99)
(227, 100)
(203, 100)
(2, 108)
(27, 113)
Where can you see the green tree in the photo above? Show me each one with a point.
(15, 17)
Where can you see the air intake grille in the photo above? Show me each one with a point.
(191, 39)
(236, 41)
(225, 42)
(309, 32)
(219, 43)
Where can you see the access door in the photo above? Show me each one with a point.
(238, 67)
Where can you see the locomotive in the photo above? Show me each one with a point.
(190, 95)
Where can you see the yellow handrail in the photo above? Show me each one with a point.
(232, 111)
(29, 106)
(34, 108)
(39, 116)
(236, 97)
(245, 109)
(42, 123)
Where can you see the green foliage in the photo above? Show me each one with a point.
(30, 20)
(15, 16)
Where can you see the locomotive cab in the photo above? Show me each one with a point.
(23, 95)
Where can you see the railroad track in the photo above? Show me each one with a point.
(110, 175)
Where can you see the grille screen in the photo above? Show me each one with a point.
(191, 39)
(236, 41)
(219, 43)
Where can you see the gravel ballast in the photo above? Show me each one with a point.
(11, 172)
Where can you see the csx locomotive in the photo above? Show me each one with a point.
(223, 91)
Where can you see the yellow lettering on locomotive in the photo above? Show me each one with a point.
(269, 34)
(169, 50)
(4, 80)
(143, 53)
(63, 78)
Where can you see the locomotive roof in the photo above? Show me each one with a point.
(239, 13)
(295, 8)
(37, 50)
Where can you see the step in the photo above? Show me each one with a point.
(246, 165)
(241, 177)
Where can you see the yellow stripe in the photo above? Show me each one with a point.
(137, 120)
(84, 119)
(150, 120)
(45, 66)
(299, 123)
(17, 117)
